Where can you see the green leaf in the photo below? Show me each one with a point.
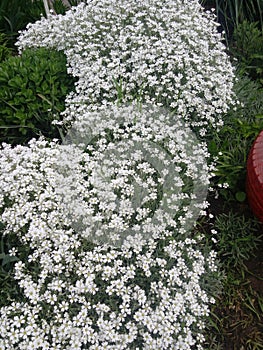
(240, 196)
(8, 259)
(32, 87)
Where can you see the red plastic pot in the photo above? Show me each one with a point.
(254, 185)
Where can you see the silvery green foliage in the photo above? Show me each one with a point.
(147, 293)
(167, 52)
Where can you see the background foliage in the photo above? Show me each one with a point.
(33, 88)
(231, 13)
(16, 14)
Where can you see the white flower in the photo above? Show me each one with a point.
(166, 52)
(134, 177)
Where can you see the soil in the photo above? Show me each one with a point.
(255, 270)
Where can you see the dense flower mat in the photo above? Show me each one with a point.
(103, 222)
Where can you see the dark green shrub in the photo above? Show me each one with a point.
(33, 88)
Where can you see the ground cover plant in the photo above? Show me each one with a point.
(76, 294)
(135, 54)
(98, 247)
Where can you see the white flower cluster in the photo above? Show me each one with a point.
(147, 171)
(105, 216)
(167, 52)
(76, 295)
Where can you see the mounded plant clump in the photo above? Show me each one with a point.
(149, 293)
(165, 52)
(106, 217)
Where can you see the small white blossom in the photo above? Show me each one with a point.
(166, 52)
(107, 219)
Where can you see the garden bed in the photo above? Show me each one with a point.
(130, 100)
